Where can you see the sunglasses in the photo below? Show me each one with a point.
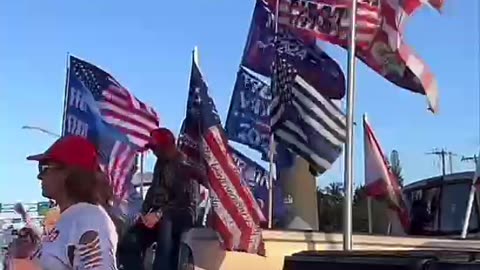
(42, 168)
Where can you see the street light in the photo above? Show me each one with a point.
(53, 134)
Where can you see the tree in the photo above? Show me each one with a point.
(360, 210)
(330, 208)
(335, 189)
(396, 166)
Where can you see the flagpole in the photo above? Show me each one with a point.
(270, 182)
(370, 221)
(468, 211)
(369, 199)
(208, 203)
(272, 139)
(195, 55)
(65, 94)
(142, 154)
(348, 181)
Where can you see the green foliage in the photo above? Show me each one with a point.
(330, 208)
(396, 166)
(330, 203)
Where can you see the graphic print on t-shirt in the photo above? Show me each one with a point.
(89, 251)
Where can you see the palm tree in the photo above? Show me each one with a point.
(335, 189)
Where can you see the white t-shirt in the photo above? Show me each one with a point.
(84, 238)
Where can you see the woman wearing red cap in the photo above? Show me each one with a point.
(84, 236)
(168, 209)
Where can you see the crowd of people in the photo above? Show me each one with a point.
(84, 234)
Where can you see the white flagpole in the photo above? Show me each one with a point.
(270, 182)
(142, 154)
(348, 182)
(369, 199)
(389, 226)
(195, 56)
(468, 211)
(65, 94)
(370, 221)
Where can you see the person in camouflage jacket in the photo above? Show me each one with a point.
(167, 211)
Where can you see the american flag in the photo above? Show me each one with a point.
(120, 124)
(235, 215)
(117, 160)
(120, 167)
(380, 26)
(329, 20)
(309, 124)
(317, 67)
(118, 106)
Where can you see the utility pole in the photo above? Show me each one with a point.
(473, 158)
(443, 154)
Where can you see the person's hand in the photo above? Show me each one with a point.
(21, 248)
(150, 219)
(25, 245)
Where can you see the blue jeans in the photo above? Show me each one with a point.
(167, 234)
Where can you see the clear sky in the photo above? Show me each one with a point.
(147, 47)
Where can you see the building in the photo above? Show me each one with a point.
(446, 201)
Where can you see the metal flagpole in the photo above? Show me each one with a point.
(370, 221)
(272, 139)
(142, 155)
(270, 182)
(65, 95)
(471, 197)
(348, 184)
(369, 199)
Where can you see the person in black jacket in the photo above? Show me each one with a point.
(420, 217)
(167, 211)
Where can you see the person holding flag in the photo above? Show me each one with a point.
(167, 212)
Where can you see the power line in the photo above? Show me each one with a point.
(473, 158)
(443, 154)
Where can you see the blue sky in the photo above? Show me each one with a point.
(147, 47)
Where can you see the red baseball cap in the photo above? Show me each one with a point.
(162, 137)
(72, 151)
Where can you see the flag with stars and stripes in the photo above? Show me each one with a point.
(117, 160)
(118, 107)
(303, 51)
(304, 121)
(235, 214)
(380, 30)
(104, 118)
(329, 20)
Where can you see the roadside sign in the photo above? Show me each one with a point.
(42, 208)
